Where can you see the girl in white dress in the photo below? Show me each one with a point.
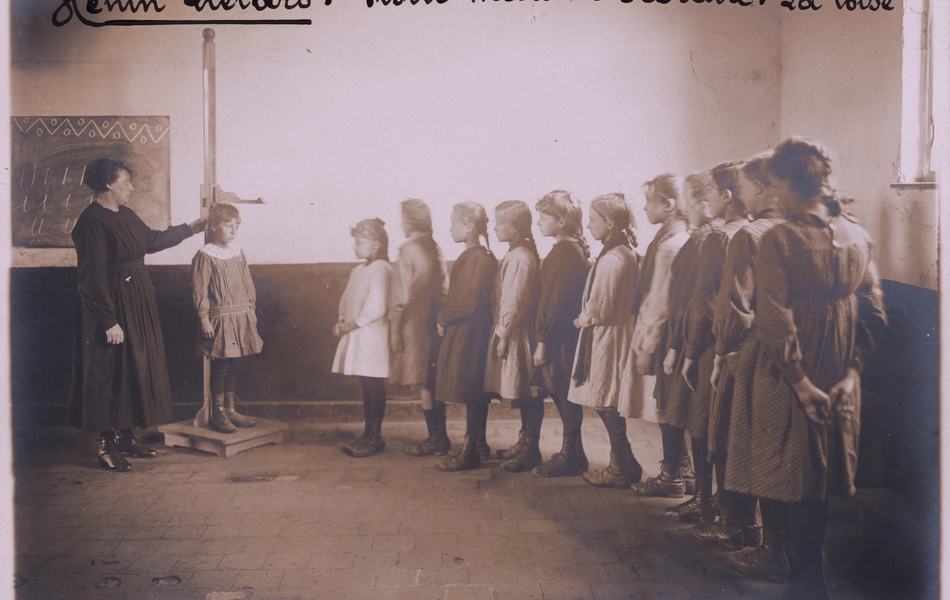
(363, 330)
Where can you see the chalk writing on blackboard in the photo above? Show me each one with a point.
(50, 155)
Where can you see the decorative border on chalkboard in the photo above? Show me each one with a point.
(105, 129)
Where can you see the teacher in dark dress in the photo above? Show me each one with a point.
(120, 375)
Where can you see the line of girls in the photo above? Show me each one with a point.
(755, 307)
(774, 306)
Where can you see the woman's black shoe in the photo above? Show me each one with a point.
(108, 452)
(129, 445)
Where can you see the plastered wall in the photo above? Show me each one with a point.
(341, 120)
(841, 83)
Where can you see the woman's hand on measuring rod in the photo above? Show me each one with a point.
(197, 226)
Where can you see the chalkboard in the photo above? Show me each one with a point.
(49, 158)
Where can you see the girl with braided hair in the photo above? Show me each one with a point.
(665, 206)
(603, 377)
(464, 322)
(416, 298)
(563, 273)
(510, 363)
(819, 308)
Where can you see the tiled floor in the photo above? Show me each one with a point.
(302, 520)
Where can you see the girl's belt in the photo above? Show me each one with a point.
(229, 309)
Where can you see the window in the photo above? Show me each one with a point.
(926, 91)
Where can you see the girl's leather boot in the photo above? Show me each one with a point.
(467, 458)
(236, 418)
(219, 420)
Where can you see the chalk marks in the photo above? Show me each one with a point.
(92, 128)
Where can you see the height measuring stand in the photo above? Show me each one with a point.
(196, 433)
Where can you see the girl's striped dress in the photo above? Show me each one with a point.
(224, 293)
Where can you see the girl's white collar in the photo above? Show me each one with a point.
(221, 253)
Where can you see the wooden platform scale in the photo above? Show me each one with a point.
(185, 435)
(195, 433)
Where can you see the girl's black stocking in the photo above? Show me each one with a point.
(476, 418)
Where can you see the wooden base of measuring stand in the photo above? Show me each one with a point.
(184, 435)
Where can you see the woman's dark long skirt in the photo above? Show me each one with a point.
(120, 386)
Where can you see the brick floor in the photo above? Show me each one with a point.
(302, 520)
